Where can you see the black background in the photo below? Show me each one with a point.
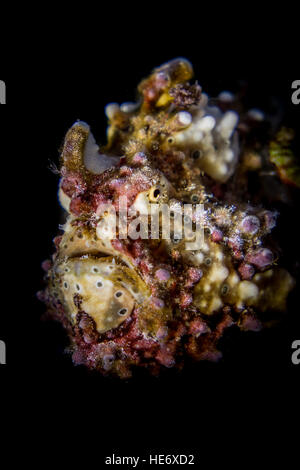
(248, 402)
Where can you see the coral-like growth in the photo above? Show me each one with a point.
(148, 300)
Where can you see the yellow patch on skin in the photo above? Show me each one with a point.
(269, 273)
(83, 241)
(107, 291)
(274, 286)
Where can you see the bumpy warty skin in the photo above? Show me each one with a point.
(151, 302)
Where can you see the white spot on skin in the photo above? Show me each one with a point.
(228, 155)
(215, 304)
(211, 157)
(111, 109)
(77, 269)
(128, 107)
(141, 203)
(106, 228)
(233, 279)
(180, 137)
(198, 136)
(205, 247)
(256, 115)
(199, 257)
(81, 124)
(64, 200)
(206, 124)
(94, 161)
(218, 273)
(226, 97)
(227, 124)
(248, 290)
(222, 169)
(184, 118)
